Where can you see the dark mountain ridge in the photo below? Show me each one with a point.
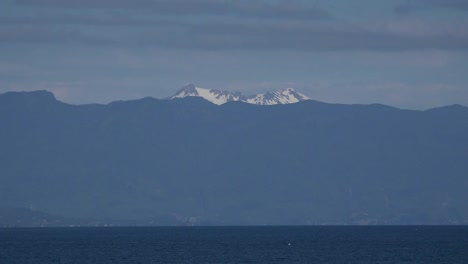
(238, 163)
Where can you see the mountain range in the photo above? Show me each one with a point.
(285, 96)
(188, 161)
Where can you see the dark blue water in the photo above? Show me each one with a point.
(422, 245)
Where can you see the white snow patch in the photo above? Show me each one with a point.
(285, 96)
(210, 96)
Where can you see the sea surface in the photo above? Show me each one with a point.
(330, 244)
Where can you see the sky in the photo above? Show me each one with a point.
(406, 53)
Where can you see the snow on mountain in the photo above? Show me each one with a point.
(285, 96)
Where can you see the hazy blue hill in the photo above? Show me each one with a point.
(20, 217)
(237, 163)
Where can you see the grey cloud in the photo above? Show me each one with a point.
(302, 37)
(87, 20)
(407, 8)
(270, 36)
(38, 34)
(420, 5)
(243, 8)
(456, 4)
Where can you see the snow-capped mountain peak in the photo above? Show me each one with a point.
(284, 96)
(188, 90)
(212, 95)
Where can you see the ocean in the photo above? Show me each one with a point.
(288, 244)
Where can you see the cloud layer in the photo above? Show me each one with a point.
(202, 25)
(420, 5)
(242, 8)
(235, 36)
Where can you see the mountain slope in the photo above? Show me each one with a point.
(303, 163)
(286, 96)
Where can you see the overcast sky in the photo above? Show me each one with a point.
(405, 53)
